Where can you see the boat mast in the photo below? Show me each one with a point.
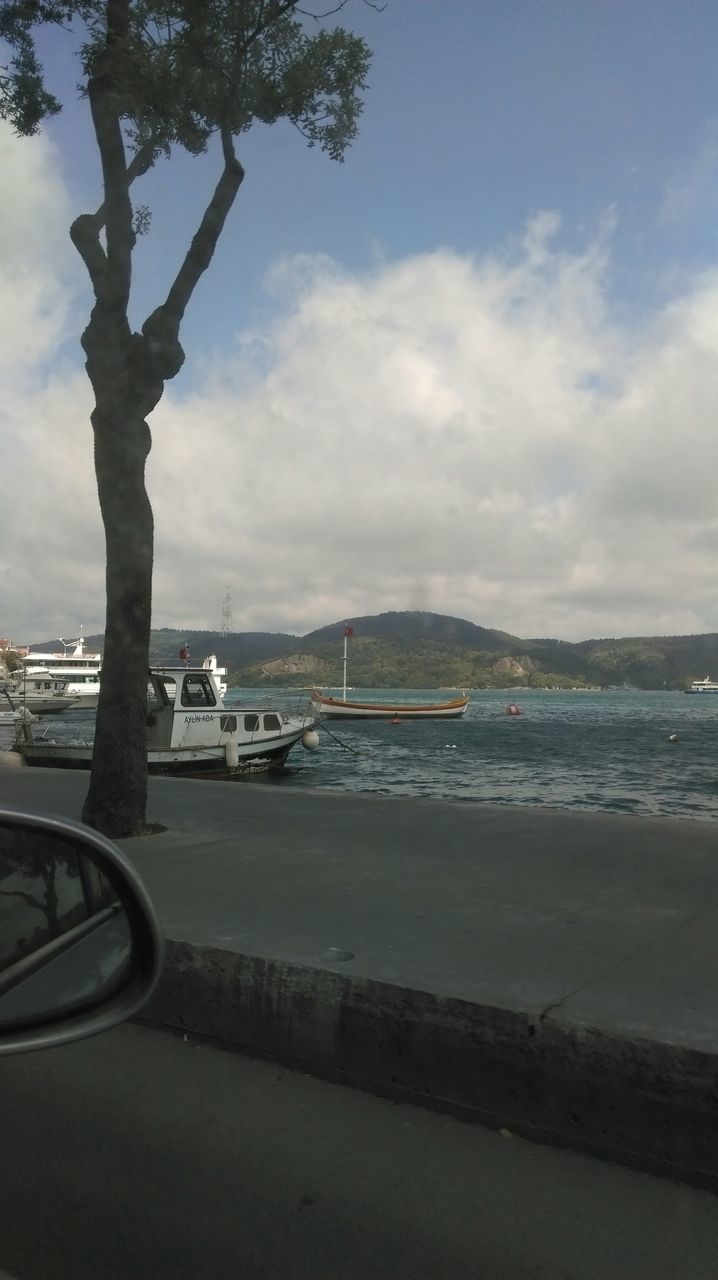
(348, 631)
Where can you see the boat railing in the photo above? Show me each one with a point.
(292, 702)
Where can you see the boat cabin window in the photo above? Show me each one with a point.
(251, 723)
(271, 721)
(197, 692)
(170, 688)
(228, 724)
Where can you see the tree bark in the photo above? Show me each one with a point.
(127, 387)
(117, 796)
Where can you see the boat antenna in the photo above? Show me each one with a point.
(78, 644)
(348, 631)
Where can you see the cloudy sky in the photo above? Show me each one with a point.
(473, 370)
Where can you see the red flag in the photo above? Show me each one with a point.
(348, 631)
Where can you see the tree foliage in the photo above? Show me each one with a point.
(183, 69)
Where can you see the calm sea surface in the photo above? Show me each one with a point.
(592, 751)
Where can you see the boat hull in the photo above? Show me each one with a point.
(336, 709)
(82, 701)
(44, 706)
(188, 761)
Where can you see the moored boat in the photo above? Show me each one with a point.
(189, 730)
(38, 691)
(341, 709)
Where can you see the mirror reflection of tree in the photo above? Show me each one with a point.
(46, 888)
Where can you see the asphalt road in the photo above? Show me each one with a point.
(142, 1154)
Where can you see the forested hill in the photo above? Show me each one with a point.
(430, 650)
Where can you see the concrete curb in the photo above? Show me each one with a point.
(642, 1103)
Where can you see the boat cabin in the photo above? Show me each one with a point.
(185, 709)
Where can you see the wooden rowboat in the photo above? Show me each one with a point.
(339, 709)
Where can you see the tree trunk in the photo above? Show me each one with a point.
(117, 797)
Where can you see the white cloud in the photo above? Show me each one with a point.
(51, 572)
(35, 252)
(475, 436)
(691, 190)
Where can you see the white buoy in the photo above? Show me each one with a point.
(673, 737)
(231, 754)
(310, 739)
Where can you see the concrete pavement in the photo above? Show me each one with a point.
(141, 1154)
(549, 972)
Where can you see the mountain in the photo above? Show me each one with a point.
(418, 649)
(234, 651)
(436, 627)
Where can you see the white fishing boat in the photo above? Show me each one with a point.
(190, 731)
(36, 689)
(343, 709)
(80, 671)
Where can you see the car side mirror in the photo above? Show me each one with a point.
(80, 944)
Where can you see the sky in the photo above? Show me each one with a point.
(470, 370)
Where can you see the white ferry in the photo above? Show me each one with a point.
(703, 686)
(79, 671)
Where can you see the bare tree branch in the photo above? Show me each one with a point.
(85, 230)
(26, 897)
(204, 241)
(85, 235)
(328, 13)
(106, 111)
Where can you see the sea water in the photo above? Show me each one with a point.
(615, 751)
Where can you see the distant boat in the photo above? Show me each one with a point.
(340, 709)
(703, 686)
